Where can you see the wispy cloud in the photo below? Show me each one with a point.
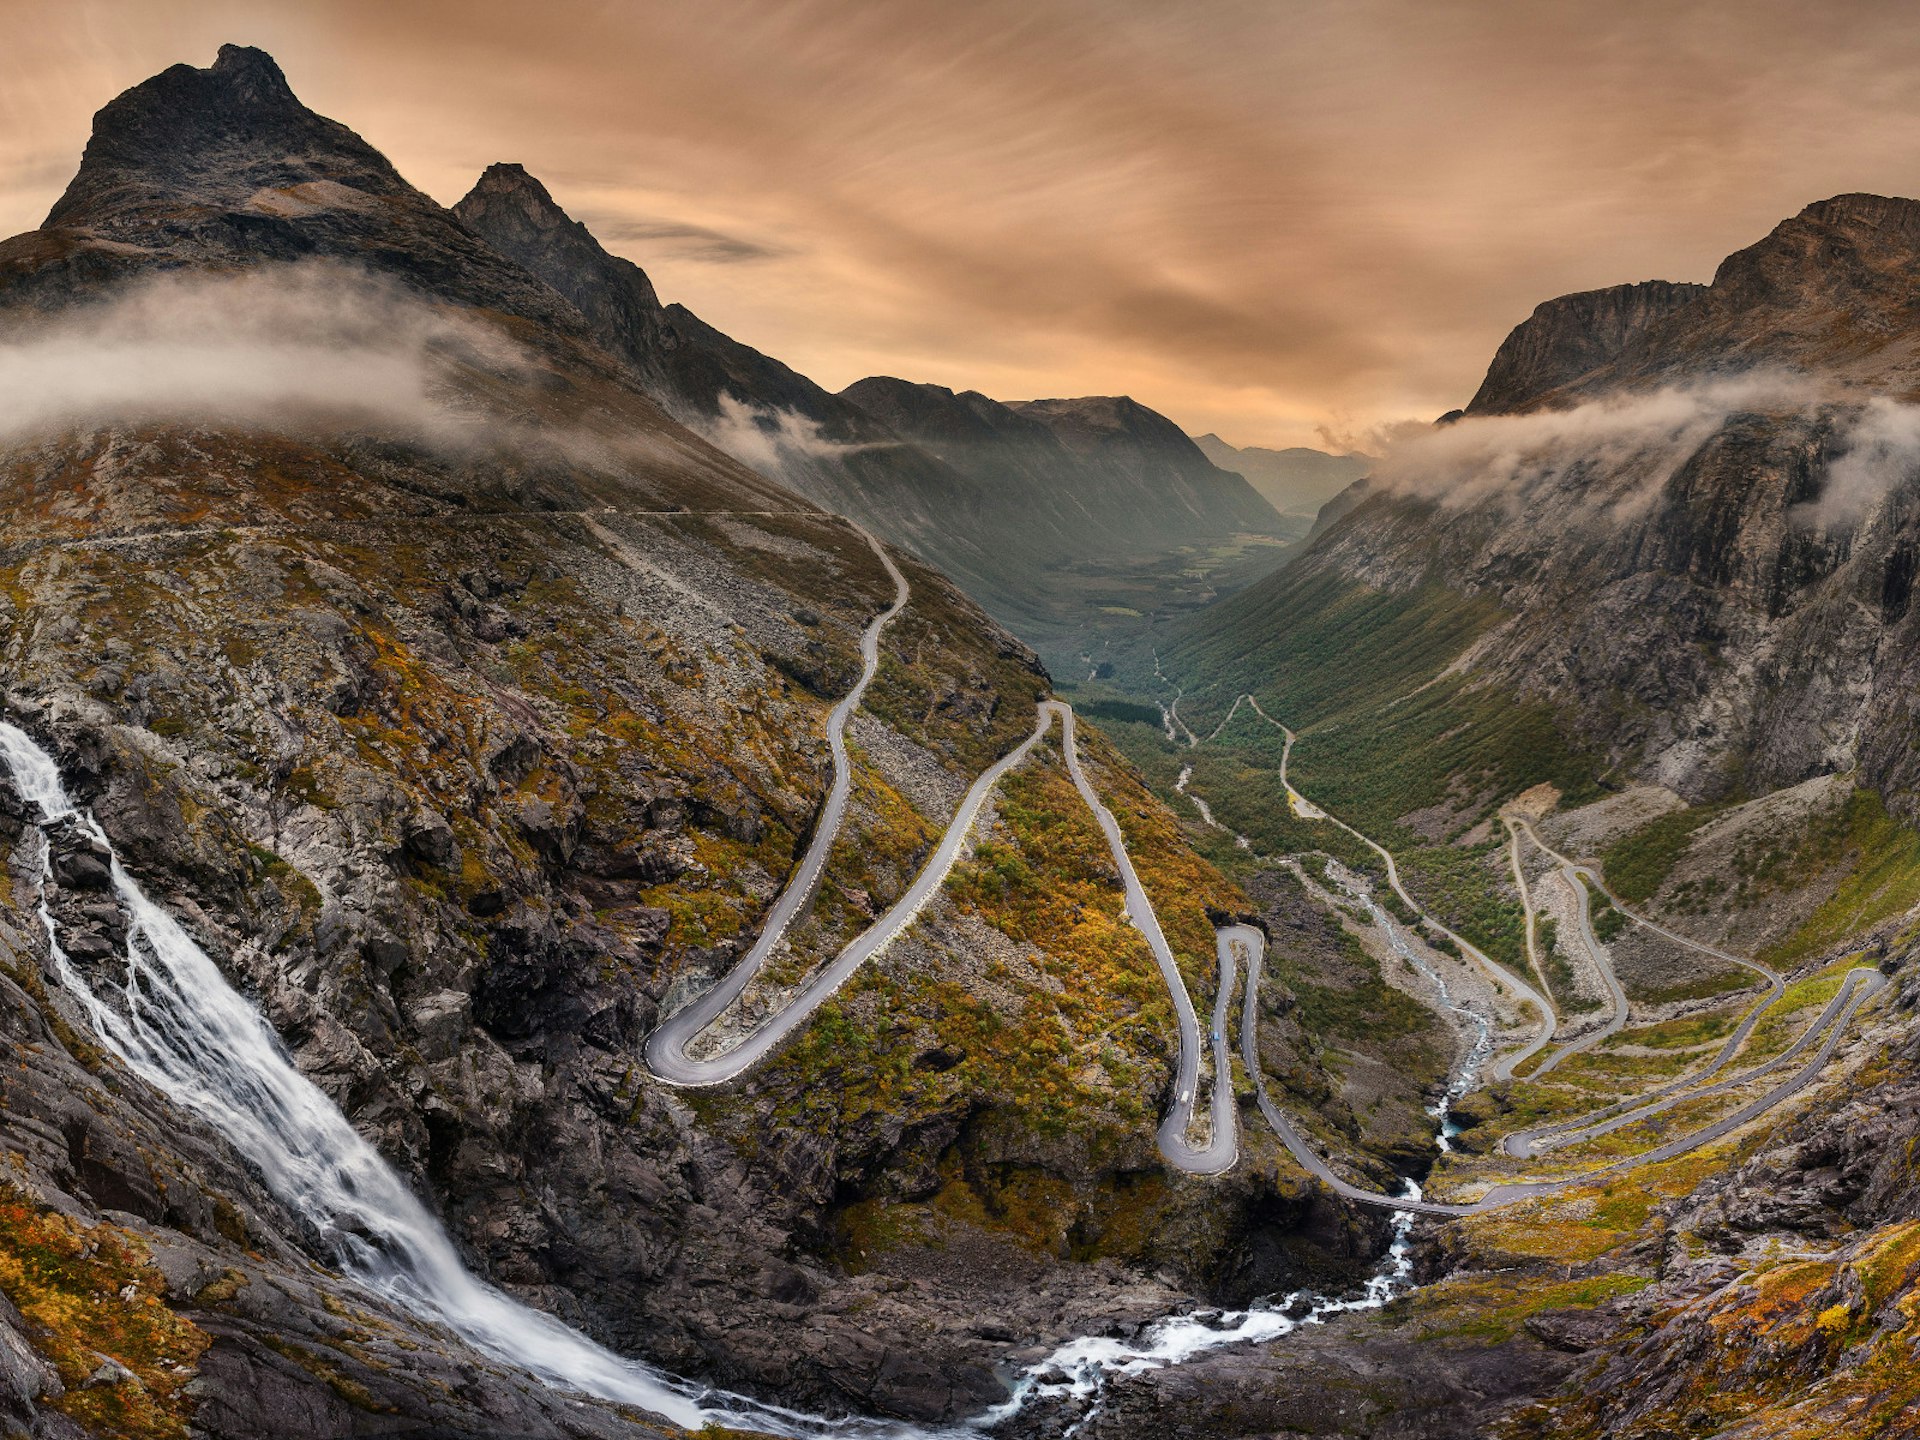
(1880, 452)
(681, 240)
(1604, 458)
(770, 440)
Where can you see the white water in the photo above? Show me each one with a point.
(1206, 810)
(1481, 1025)
(183, 1029)
(179, 1025)
(1079, 1370)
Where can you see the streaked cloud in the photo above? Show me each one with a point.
(1261, 216)
(678, 239)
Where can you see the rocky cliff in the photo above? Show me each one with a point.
(1572, 336)
(468, 709)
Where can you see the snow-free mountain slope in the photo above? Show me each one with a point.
(470, 721)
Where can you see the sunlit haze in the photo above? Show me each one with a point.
(1290, 223)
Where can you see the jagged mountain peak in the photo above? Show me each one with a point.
(1835, 288)
(1855, 248)
(1571, 335)
(193, 135)
(253, 75)
(518, 216)
(509, 184)
(224, 165)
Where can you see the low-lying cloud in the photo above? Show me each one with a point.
(770, 440)
(1881, 449)
(1607, 460)
(1621, 447)
(306, 348)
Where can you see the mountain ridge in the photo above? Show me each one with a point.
(1296, 481)
(465, 761)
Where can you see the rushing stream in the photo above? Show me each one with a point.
(184, 1030)
(1479, 1023)
(1080, 1370)
(180, 1026)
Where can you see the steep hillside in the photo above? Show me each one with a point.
(1116, 520)
(469, 711)
(1721, 602)
(996, 501)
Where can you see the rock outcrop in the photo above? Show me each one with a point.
(463, 758)
(1573, 336)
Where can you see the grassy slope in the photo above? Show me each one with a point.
(1354, 670)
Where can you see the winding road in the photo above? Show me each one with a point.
(1502, 978)
(1859, 986)
(1617, 1008)
(1239, 947)
(667, 1047)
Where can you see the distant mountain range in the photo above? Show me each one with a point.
(1295, 481)
(1003, 497)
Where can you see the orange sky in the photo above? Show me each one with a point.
(1269, 219)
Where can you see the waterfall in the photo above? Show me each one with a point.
(182, 1028)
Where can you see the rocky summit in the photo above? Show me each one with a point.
(548, 889)
(468, 744)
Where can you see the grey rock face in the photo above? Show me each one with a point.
(459, 765)
(1572, 336)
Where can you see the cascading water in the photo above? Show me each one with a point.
(184, 1030)
(1481, 1024)
(1079, 1371)
(180, 1026)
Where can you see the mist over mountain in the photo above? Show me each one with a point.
(1104, 475)
(1003, 506)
